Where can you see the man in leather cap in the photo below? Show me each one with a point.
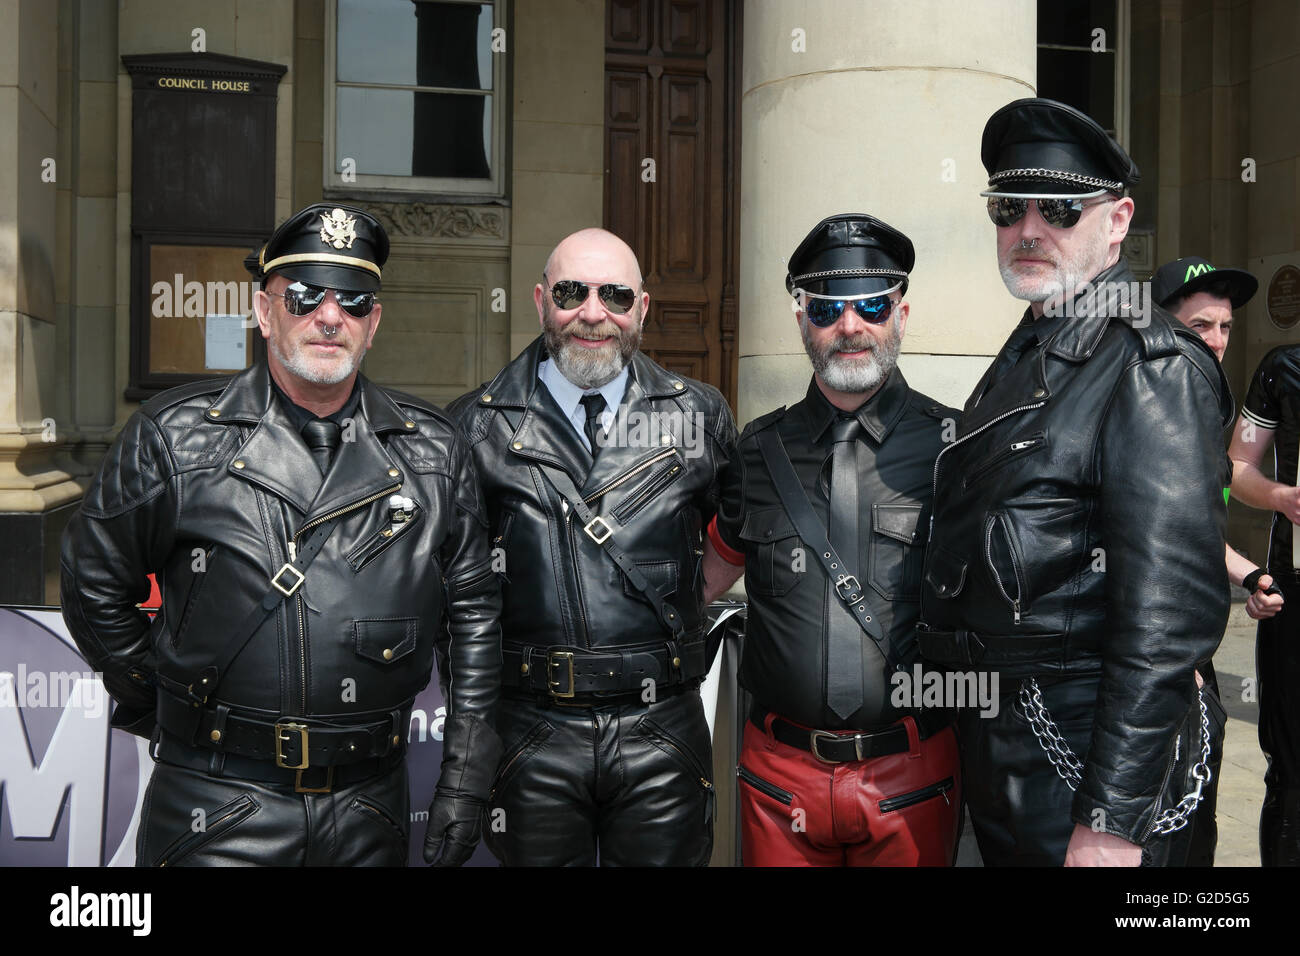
(1270, 417)
(1077, 546)
(600, 471)
(837, 768)
(310, 532)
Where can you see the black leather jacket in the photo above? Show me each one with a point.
(1078, 529)
(206, 486)
(657, 475)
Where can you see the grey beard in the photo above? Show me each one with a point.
(584, 367)
(299, 367)
(859, 376)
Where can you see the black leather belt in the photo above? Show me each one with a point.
(564, 672)
(175, 751)
(839, 746)
(968, 648)
(294, 744)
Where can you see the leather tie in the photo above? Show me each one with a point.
(843, 635)
(595, 406)
(322, 438)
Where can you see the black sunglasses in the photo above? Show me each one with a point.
(302, 299)
(571, 294)
(824, 313)
(1061, 213)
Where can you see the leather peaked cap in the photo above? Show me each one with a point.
(1040, 146)
(1191, 274)
(326, 245)
(851, 254)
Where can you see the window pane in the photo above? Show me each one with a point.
(399, 133)
(1085, 81)
(405, 43)
(1071, 22)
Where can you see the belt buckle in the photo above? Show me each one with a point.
(815, 735)
(853, 590)
(301, 730)
(287, 592)
(556, 659)
(597, 536)
(329, 782)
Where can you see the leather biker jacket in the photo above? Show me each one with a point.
(209, 486)
(655, 479)
(1078, 529)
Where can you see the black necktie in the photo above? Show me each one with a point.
(843, 634)
(322, 438)
(595, 405)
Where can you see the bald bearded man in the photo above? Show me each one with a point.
(600, 472)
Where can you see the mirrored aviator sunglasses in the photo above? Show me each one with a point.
(1059, 213)
(824, 313)
(571, 294)
(301, 299)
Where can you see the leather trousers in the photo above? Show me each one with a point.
(1277, 664)
(900, 809)
(619, 784)
(1019, 806)
(190, 818)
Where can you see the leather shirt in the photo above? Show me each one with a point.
(655, 477)
(1273, 402)
(209, 484)
(784, 659)
(1078, 529)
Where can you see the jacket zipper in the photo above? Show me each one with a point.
(1160, 795)
(762, 786)
(938, 459)
(293, 556)
(631, 474)
(1015, 450)
(585, 636)
(997, 578)
(918, 796)
(380, 541)
(652, 487)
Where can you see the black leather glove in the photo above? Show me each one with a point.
(471, 751)
(1251, 583)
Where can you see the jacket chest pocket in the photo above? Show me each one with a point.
(1003, 455)
(663, 473)
(776, 558)
(385, 640)
(381, 540)
(895, 557)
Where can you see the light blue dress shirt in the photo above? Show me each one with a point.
(569, 397)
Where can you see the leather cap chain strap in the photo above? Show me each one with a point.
(809, 528)
(1070, 768)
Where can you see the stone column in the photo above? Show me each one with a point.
(32, 487)
(876, 108)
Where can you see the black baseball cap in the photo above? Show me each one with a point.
(1040, 147)
(851, 254)
(327, 245)
(1191, 274)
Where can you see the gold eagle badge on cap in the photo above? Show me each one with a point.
(338, 229)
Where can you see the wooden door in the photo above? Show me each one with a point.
(672, 163)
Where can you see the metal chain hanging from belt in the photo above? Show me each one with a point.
(1070, 768)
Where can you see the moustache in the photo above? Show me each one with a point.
(852, 345)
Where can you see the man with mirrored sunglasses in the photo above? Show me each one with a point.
(600, 471)
(825, 510)
(318, 541)
(1077, 544)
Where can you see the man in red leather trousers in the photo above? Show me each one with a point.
(825, 509)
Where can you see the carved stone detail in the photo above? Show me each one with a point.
(420, 220)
